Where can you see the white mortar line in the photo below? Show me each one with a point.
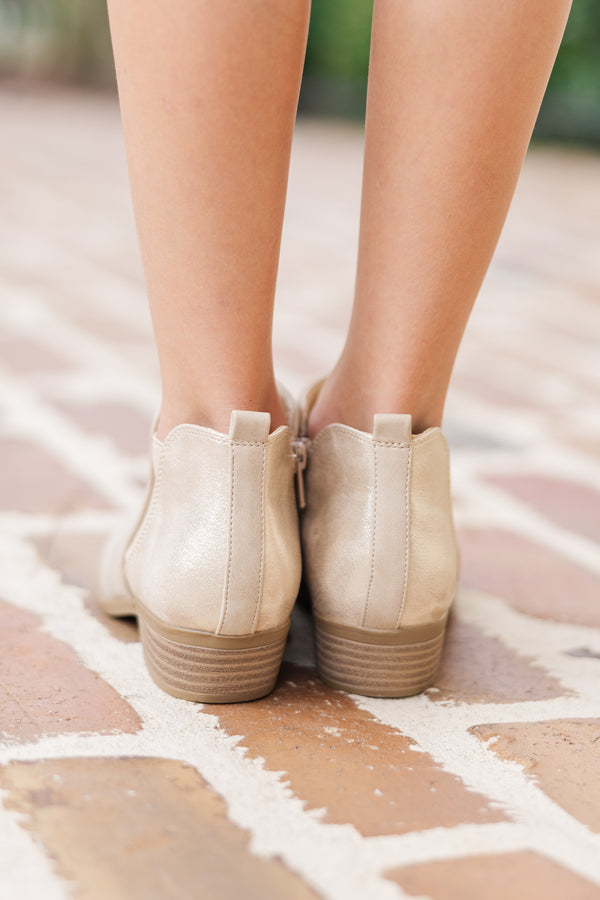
(543, 643)
(547, 459)
(500, 510)
(258, 801)
(77, 344)
(176, 729)
(92, 458)
(87, 521)
(523, 431)
(441, 734)
(457, 842)
(27, 871)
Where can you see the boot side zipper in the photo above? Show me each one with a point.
(300, 451)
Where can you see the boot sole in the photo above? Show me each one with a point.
(396, 663)
(211, 668)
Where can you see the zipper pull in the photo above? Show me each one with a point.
(300, 451)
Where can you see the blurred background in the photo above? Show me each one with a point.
(78, 389)
(68, 40)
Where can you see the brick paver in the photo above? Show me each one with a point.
(520, 876)
(33, 481)
(573, 505)
(562, 757)
(359, 771)
(477, 668)
(112, 788)
(126, 425)
(141, 829)
(530, 576)
(45, 689)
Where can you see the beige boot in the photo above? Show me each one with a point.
(211, 567)
(380, 554)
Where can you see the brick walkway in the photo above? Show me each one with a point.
(487, 786)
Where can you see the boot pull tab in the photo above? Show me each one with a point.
(395, 428)
(246, 425)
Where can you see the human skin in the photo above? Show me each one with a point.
(208, 96)
(454, 91)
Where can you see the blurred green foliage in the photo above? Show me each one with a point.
(338, 53)
(69, 39)
(337, 57)
(338, 45)
(571, 109)
(578, 65)
(58, 39)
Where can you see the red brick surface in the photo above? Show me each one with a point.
(320, 781)
(33, 481)
(570, 504)
(141, 829)
(127, 426)
(532, 578)
(340, 758)
(520, 876)
(562, 757)
(45, 689)
(23, 355)
(476, 668)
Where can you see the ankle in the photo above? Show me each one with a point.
(216, 413)
(348, 403)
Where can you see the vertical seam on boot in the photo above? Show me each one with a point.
(262, 539)
(224, 603)
(373, 530)
(407, 539)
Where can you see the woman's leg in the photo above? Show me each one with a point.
(208, 96)
(454, 90)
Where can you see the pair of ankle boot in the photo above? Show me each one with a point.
(212, 564)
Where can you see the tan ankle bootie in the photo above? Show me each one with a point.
(380, 554)
(212, 565)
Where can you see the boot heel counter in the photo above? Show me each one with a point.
(392, 464)
(282, 563)
(336, 556)
(246, 538)
(433, 556)
(264, 566)
(175, 564)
